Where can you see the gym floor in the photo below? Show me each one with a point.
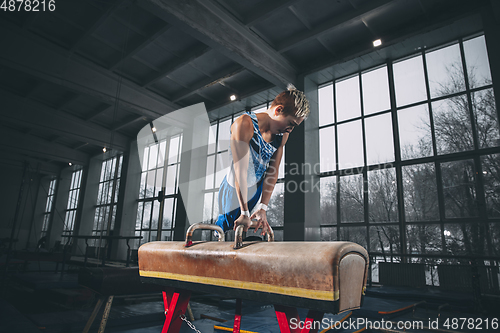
(40, 301)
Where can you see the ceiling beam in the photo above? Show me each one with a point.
(25, 144)
(97, 23)
(95, 113)
(265, 10)
(128, 122)
(217, 78)
(51, 63)
(213, 26)
(23, 111)
(139, 47)
(68, 100)
(336, 22)
(183, 60)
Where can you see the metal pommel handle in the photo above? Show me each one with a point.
(238, 235)
(205, 226)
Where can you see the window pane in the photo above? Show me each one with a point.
(350, 145)
(476, 60)
(347, 99)
(207, 207)
(211, 138)
(147, 215)
(276, 212)
(210, 174)
(328, 200)
(159, 180)
(325, 97)
(424, 239)
(415, 132)
(145, 237)
(485, 115)
(459, 189)
(452, 125)
(117, 190)
(491, 180)
(166, 235)
(119, 171)
(171, 180)
(215, 211)
(353, 234)
(420, 192)
(153, 154)
(328, 233)
(221, 167)
(155, 217)
(138, 219)
(173, 150)
(109, 192)
(382, 195)
(327, 149)
(224, 135)
(445, 71)
(281, 169)
(466, 238)
(168, 212)
(145, 159)
(409, 81)
(375, 91)
(351, 198)
(379, 139)
(385, 239)
(494, 234)
(150, 184)
(142, 190)
(161, 156)
(103, 167)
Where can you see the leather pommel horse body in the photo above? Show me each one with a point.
(324, 277)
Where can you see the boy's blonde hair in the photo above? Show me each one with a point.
(294, 102)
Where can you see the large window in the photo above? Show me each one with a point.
(409, 155)
(160, 173)
(107, 198)
(49, 207)
(71, 208)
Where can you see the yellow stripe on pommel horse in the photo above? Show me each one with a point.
(324, 277)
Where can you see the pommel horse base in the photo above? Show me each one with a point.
(324, 277)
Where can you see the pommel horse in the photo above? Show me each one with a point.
(324, 277)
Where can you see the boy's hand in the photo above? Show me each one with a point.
(261, 217)
(242, 220)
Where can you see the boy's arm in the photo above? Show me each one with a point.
(268, 186)
(241, 134)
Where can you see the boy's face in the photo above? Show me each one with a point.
(284, 123)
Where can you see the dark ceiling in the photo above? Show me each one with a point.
(92, 73)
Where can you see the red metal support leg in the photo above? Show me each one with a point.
(289, 320)
(287, 317)
(313, 322)
(237, 317)
(175, 304)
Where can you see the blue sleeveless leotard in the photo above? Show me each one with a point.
(260, 155)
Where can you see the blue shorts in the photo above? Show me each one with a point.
(228, 199)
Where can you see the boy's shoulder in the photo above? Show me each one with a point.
(244, 120)
(243, 128)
